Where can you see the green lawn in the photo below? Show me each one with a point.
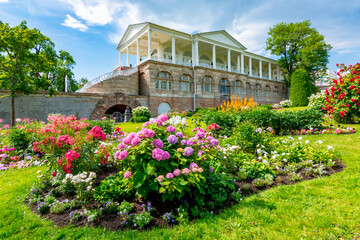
(292, 109)
(323, 208)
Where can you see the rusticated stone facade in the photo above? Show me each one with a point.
(109, 101)
(224, 84)
(117, 85)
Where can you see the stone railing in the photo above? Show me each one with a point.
(106, 76)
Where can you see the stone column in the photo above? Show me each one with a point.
(196, 55)
(278, 72)
(149, 43)
(238, 63)
(260, 68)
(137, 51)
(242, 62)
(128, 56)
(193, 54)
(250, 67)
(270, 71)
(214, 56)
(229, 60)
(120, 59)
(160, 52)
(173, 52)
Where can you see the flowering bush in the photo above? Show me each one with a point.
(161, 159)
(286, 103)
(317, 100)
(343, 99)
(140, 114)
(69, 147)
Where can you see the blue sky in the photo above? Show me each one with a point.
(90, 29)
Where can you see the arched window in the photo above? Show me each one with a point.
(257, 90)
(267, 91)
(185, 83)
(155, 52)
(239, 87)
(248, 89)
(163, 107)
(224, 87)
(207, 84)
(187, 57)
(168, 53)
(220, 63)
(163, 81)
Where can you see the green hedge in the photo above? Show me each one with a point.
(300, 88)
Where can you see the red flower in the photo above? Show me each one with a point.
(96, 132)
(54, 174)
(351, 87)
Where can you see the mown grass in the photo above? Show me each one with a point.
(323, 208)
(292, 109)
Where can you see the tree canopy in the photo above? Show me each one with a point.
(30, 63)
(299, 46)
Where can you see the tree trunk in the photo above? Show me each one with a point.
(12, 110)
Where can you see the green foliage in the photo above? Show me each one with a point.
(247, 136)
(299, 46)
(140, 114)
(226, 120)
(115, 187)
(107, 125)
(30, 63)
(20, 139)
(300, 88)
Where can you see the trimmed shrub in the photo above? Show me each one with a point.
(343, 99)
(300, 88)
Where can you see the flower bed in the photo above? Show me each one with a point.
(159, 176)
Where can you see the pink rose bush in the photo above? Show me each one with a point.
(70, 146)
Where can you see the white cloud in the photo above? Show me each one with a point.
(74, 23)
(4, 1)
(94, 12)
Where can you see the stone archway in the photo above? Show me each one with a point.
(107, 102)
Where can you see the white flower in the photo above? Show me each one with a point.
(307, 141)
(258, 151)
(264, 161)
(330, 147)
(319, 142)
(300, 138)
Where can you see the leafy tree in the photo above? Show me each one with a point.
(29, 63)
(299, 46)
(300, 88)
(82, 82)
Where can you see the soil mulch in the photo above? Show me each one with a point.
(113, 221)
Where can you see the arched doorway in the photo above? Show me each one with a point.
(117, 112)
(163, 107)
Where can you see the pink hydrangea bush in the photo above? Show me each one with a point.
(163, 160)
